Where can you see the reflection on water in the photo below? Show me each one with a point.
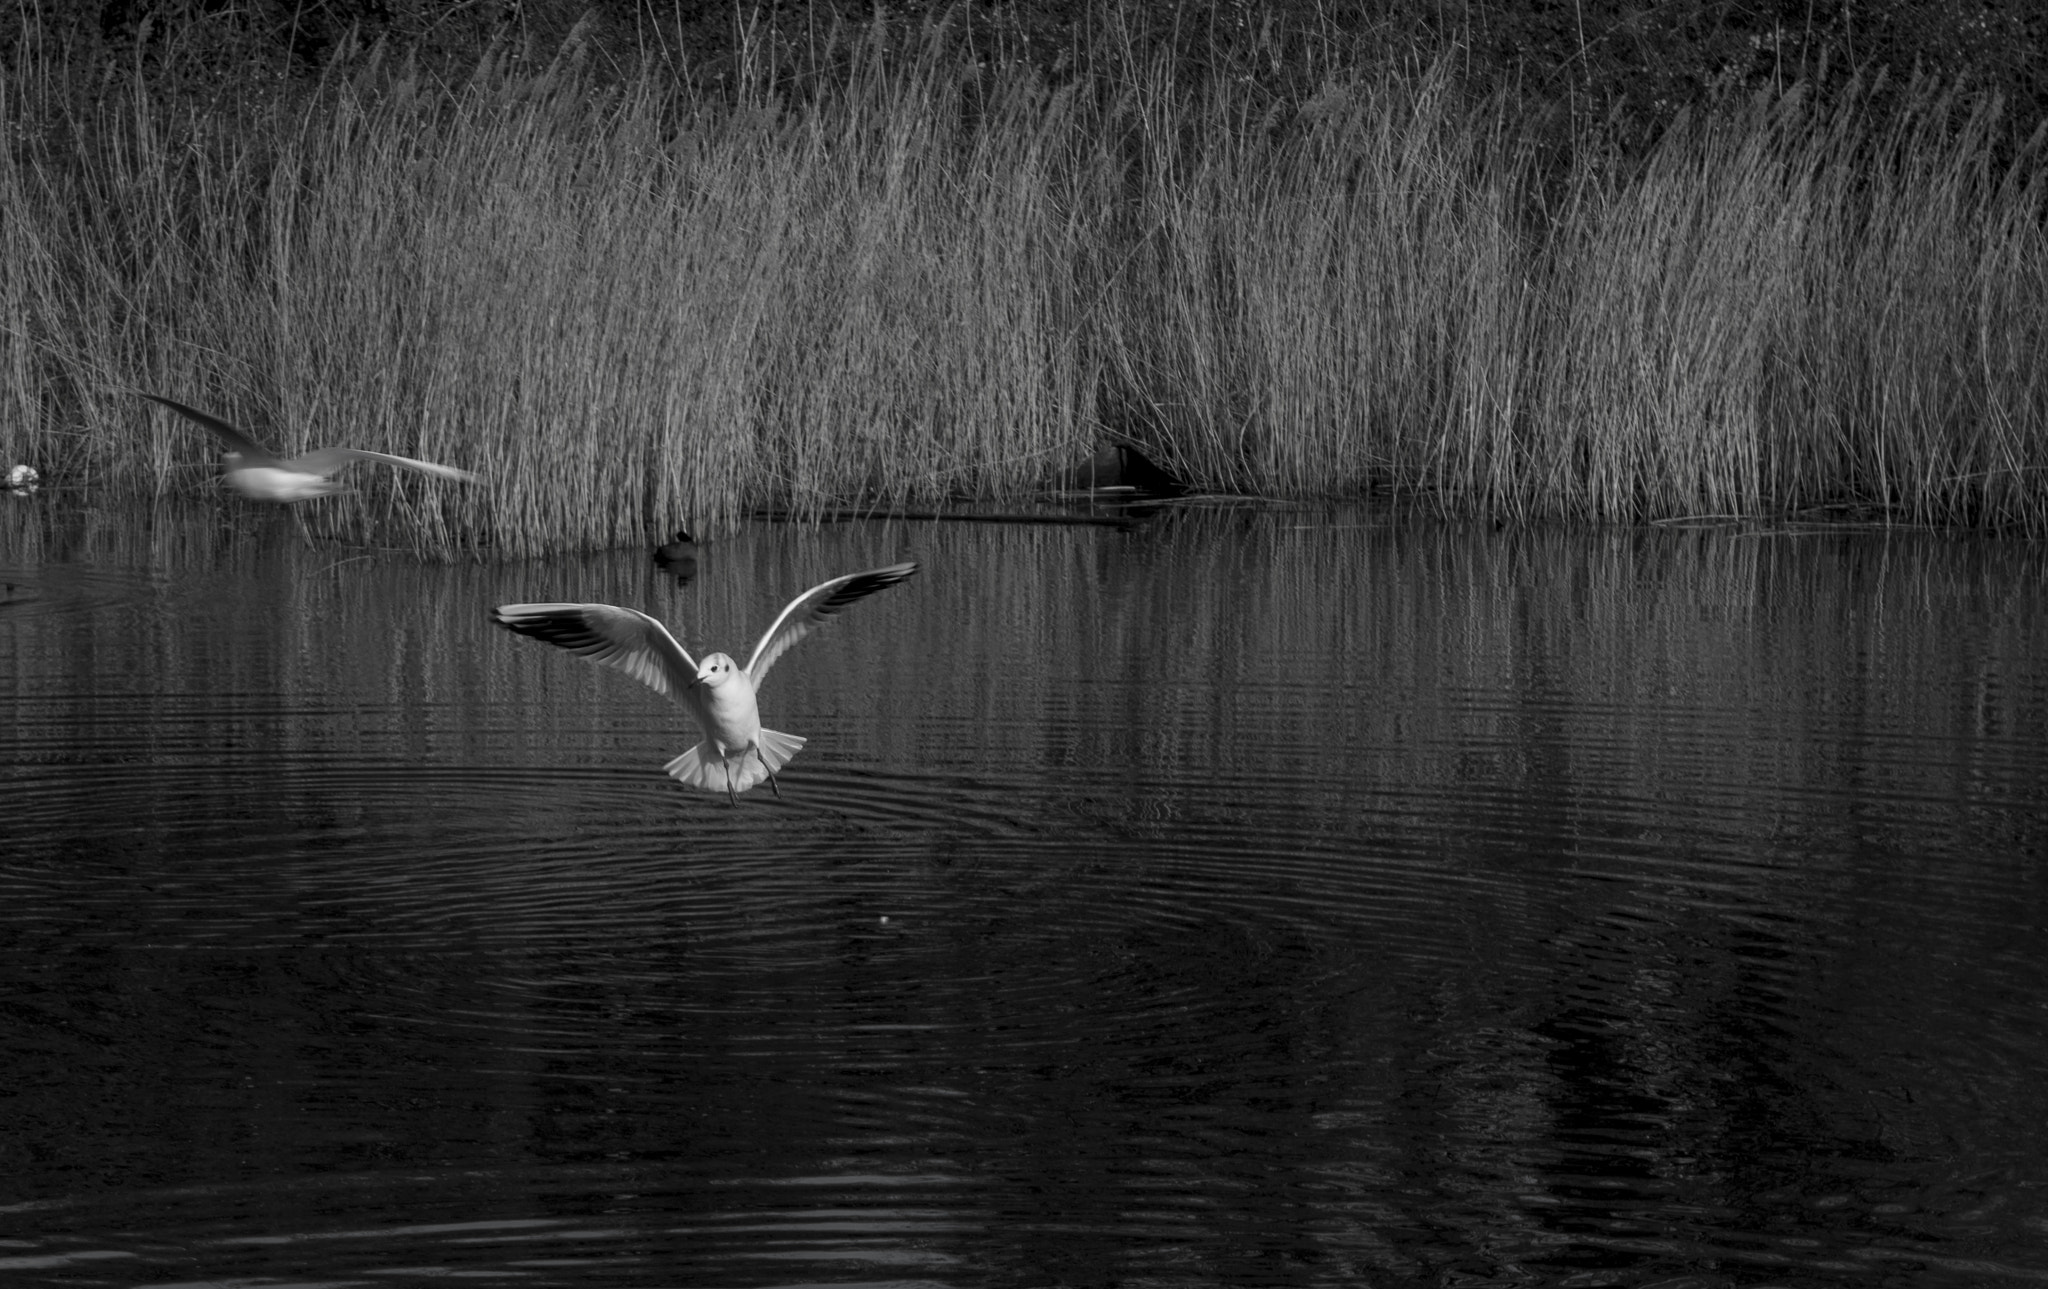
(1249, 898)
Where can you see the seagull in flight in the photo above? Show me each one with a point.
(736, 753)
(256, 472)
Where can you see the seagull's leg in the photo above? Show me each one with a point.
(772, 784)
(732, 795)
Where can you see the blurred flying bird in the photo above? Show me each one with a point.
(736, 753)
(256, 472)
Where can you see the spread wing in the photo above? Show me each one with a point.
(252, 453)
(623, 639)
(327, 460)
(816, 607)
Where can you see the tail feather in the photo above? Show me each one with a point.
(700, 767)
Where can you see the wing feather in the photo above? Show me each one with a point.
(623, 639)
(816, 607)
(252, 452)
(328, 460)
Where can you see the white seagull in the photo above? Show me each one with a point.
(257, 472)
(736, 753)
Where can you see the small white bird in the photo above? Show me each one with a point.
(256, 472)
(736, 753)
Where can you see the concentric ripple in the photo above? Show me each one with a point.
(1248, 898)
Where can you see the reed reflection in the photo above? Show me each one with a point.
(1247, 897)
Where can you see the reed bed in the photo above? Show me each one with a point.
(930, 276)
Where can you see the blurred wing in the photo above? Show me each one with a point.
(328, 460)
(816, 607)
(623, 639)
(252, 453)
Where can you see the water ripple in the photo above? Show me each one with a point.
(1228, 902)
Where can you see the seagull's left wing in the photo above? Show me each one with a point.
(814, 608)
(624, 639)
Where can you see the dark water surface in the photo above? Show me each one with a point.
(1249, 899)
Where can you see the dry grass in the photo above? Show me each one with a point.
(630, 306)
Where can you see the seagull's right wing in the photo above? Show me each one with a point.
(328, 460)
(624, 639)
(250, 451)
(814, 608)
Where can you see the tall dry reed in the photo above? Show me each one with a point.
(925, 276)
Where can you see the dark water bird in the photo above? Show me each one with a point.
(678, 557)
(254, 471)
(683, 548)
(736, 754)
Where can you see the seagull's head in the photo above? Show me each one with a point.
(716, 670)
